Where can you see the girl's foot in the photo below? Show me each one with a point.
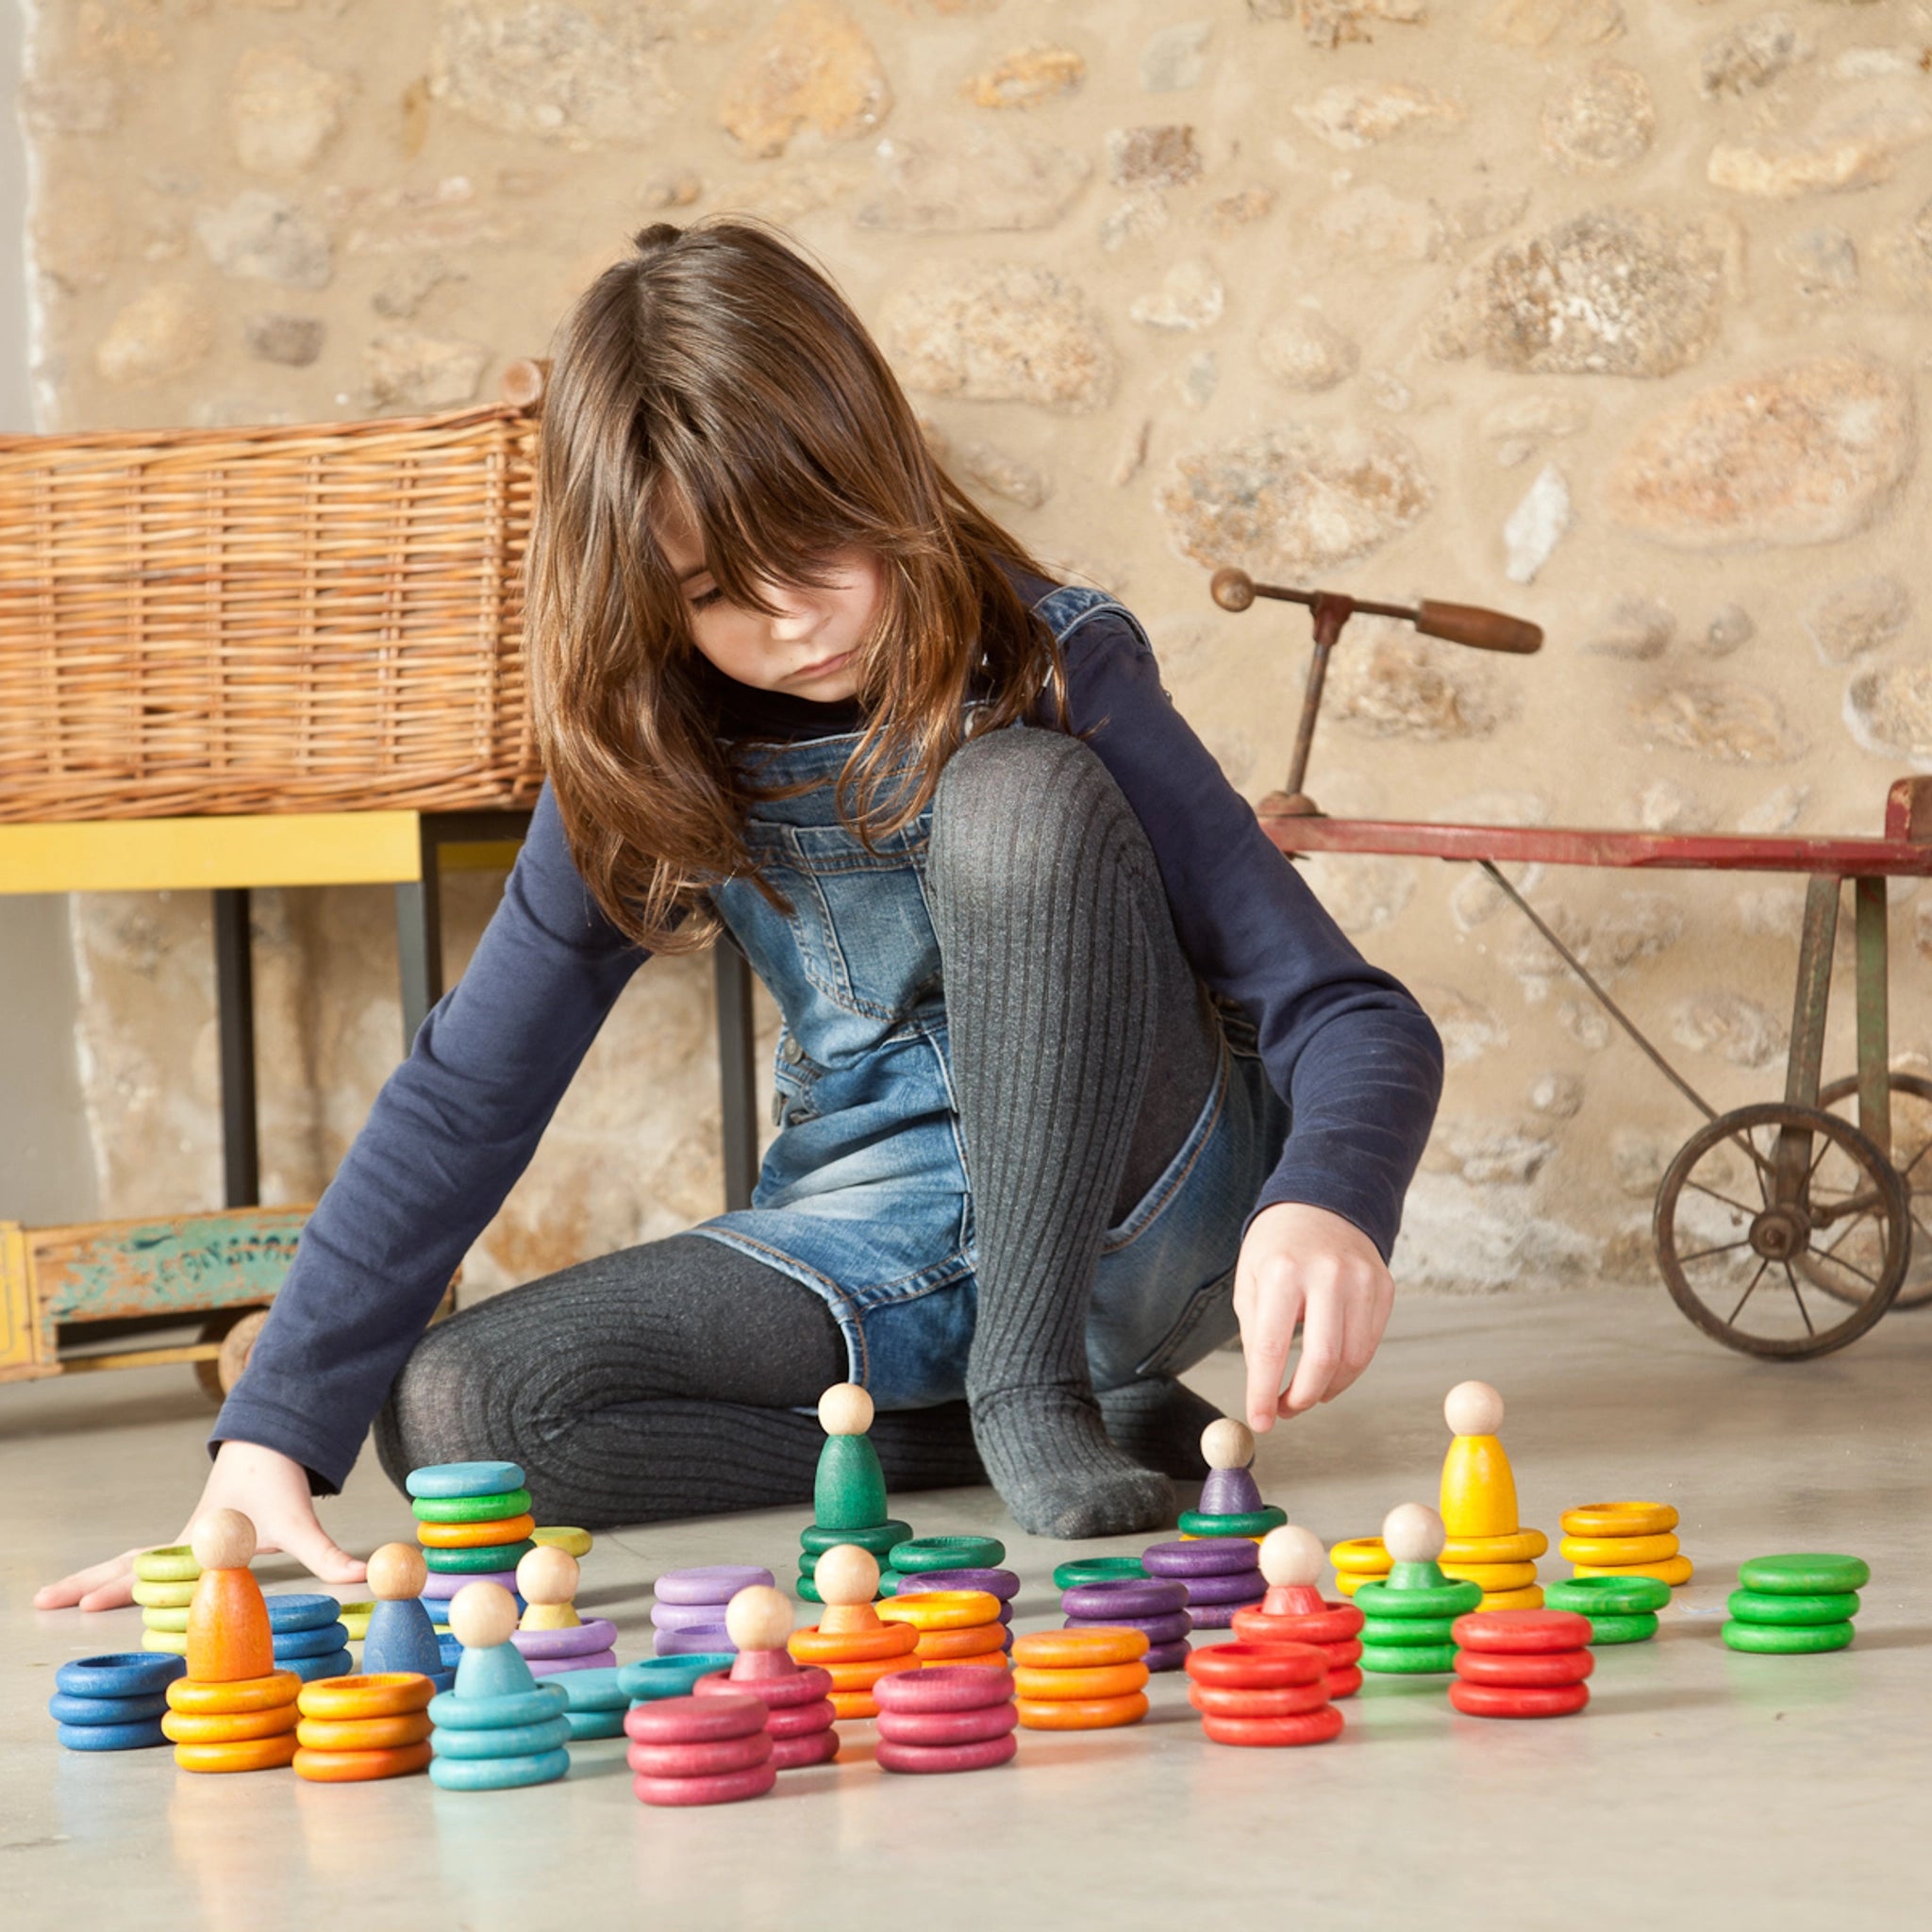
(1047, 1453)
(1157, 1422)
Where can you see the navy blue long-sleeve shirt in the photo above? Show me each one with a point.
(1344, 1043)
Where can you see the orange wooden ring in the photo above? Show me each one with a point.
(1055, 1650)
(864, 1675)
(941, 1609)
(475, 1536)
(816, 1646)
(978, 1639)
(358, 1767)
(850, 1704)
(363, 1733)
(226, 1727)
(249, 1754)
(1058, 1686)
(986, 1660)
(388, 1694)
(201, 1699)
(1081, 1713)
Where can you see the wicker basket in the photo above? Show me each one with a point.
(319, 617)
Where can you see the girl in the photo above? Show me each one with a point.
(1074, 1075)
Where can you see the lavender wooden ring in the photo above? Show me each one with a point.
(688, 1616)
(1168, 1629)
(1167, 1657)
(707, 1640)
(1002, 1584)
(1103, 1602)
(1249, 1586)
(713, 1583)
(943, 1687)
(580, 1640)
(1204, 1556)
(594, 1660)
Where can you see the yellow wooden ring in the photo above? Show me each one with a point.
(226, 1727)
(1519, 1546)
(816, 1646)
(1530, 1599)
(1081, 1714)
(572, 1542)
(475, 1536)
(388, 1694)
(1493, 1577)
(163, 1596)
(238, 1693)
(172, 1621)
(1067, 1650)
(1348, 1582)
(1619, 1552)
(1675, 1571)
(354, 1620)
(251, 1754)
(173, 1641)
(941, 1609)
(955, 1646)
(1057, 1685)
(363, 1733)
(1619, 1519)
(1364, 1555)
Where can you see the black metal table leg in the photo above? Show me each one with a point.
(737, 1085)
(235, 1018)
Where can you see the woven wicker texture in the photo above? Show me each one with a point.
(320, 617)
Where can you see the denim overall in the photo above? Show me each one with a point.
(863, 1195)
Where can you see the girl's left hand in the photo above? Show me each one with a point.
(1304, 1265)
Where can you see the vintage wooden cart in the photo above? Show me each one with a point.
(1785, 1229)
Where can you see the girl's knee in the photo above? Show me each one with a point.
(1011, 799)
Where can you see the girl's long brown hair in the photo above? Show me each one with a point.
(715, 374)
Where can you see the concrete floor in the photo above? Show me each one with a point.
(1700, 1788)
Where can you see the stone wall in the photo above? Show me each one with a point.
(1611, 315)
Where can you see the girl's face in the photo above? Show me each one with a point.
(809, 648)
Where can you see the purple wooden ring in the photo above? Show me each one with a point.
(580, 1640)
(1216, 1616)
(1250, 1586)
(443, 1584)
(592, 1660)
(700, 1643)
(943, 1687)
(930, 1727)
(1129, 1597)
(940, 1757)
(1002, 1584)
(688, 1616)
(1202, 1555)
(716, 1583)
(1167, 1657)
(1168, 1629)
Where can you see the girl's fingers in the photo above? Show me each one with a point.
(102, 1587)
(1321, 1327)
(1266, 1338)
(1362, 1320)
(319, 1554)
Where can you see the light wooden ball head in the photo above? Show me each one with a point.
(396, 1572)
(547, 1575)
(1413, 1533)
(847, 1574)
(1228, 1445)
(1291, 1555)
(482, 1615)
(758, 1617)
(846, 1410)
(1472, 1409)
(224, 1540)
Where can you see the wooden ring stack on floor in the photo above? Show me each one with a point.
(1621, 1610)
(799, 1717)
(1522, 1663)
(1795, 1605)
(1156, 1607)
(1222, 1575)
(849, 1639)
(1625, 1540)
(952, 1626)
(688, 1616)
(710, 1750)
(1295, 1611)
(946, 1719)
(1409, 1621)
(113, 1702)
(356, 1729)
(164, 1587)
(1263, 1694)
(1088, 1679)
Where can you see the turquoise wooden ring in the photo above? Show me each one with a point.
(497, 1773)
(447, 1712)
(503, 1740)
(670, 1676)
(119, 1673)
(597, 1688)
(441, 1480)
(585, 1725)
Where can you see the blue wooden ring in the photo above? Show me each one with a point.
(138, 1737)
(670, 1676)
(442, 1479)
(497, 1773)
(325, 1641)
(585, 1725)
(595, 1690)
(451, 1712)
(337, 1663)
(64, 1710)
(308, 1611)
(120, 1674)
(503, 1740)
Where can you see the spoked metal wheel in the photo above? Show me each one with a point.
(1743, 1238)
(1911, 1154)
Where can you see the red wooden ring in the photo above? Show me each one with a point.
(1310, 1727)
(944, 1757)
(806, 1685)
(800, 1720)
(1520, 1633)
(941, 1687)
(699, 1760)
(724, 1790)
(941, 1727)
(796, 1754)
(694, 1719)
(1502, 1700)
(1344, 1682)
(1258, 1665)
(1289, 1700)
(1334, 1623)
(1535, 1671)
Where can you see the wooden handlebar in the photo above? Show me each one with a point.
(1470, 623)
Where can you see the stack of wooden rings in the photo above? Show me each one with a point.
(1359, 1559)
(1222, 1575)
(242, 1724)
(595, 1702)
(354, 1729)
(849, 1639)
(1625, 1540)
(942, 1719)
(164, 1587)
(1248, 1523)
(551, 1638)
(113, 1702)
(1080, 1569)
(1621, 1610)
(1295, 1611)
(952, 1626)
(1795, 1605)
(1080, 1680)
(688, 1618)
(1503, 1565)
(308, 1636)
(1409, 1621)
(1002, 1584)
(877, 1539)
(1156, 1607)
(917, 1556)
(700, 1750)
(474, 1521)
(1522, 1663)
(797, 1697)
(499, 1729)
(1263, 1694)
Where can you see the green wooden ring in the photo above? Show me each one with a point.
(1247, 1523)
(176, 1564)
(1419, 1660)
(1760, 1607)
(1098, 1570)
(485, 1561)
(878, 1540)
(1805, 1576)
(163, 1596)
(158, 1618)
(1776, 1640)
(807, 1590)
(1424, 1600)
(1638, 1627)
(471, 1509)
(1616, 1596)
(809, 1565)
(947, 1553)
(1408, 1633)
(173, 1641)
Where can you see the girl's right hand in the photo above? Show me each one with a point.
(270, 1489)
